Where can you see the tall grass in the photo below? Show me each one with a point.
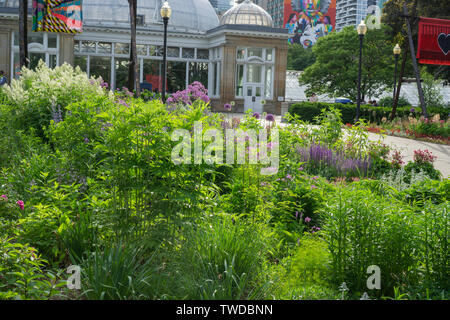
(223, 259)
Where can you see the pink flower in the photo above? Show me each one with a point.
(21, 204)
(313, 187)
(300, 169)
(307, 219)
(4, 197)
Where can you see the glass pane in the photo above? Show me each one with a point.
(52, 40)
(104, 47)
(121, 48)
(268, 86)
(239, 80)
(203, 54)
(173, 52)
(198, 71)
(255, 52)
(249, 91)
(176, 76)
(35, 58)
(214, 91)
(52, 60)
(258, 91)
(101, 67)
(241, 54)
(156, 51)
(152, 74)
(141, 49)
(16, 38)
(81, 61)
(269, 54)
(87, 46)
(122, 67)
(254, 73)
(188, 53)
(76, 47)
(16, 65)
(35, 37)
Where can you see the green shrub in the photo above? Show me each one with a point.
(364, 229)
(40, 95)
(22, 274)
(222, 258)
(118, 272)
(433, 191)
(388, 102)
(308, 110)
(426, 167)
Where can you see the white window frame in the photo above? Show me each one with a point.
(36, 48)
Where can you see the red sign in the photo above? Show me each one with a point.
(434, 41)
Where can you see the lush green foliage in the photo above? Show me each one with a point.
(299, 58)
(307, 111)
(96, 187)
(335, 71)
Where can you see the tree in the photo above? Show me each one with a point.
(299, 58)
(133, 79)
(335, 71)
(23, 33)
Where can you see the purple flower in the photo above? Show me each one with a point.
(412, 110)
(300, 169)
(270, 117)
(313, 187)
(289, 177)
(227, 107)
(256, 115)
(307, 219)
(86, 140)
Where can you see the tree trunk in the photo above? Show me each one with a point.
(400, 78)
(133, 78)
(23, 33)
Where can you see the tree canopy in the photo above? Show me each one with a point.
(299, 58)
(335, 71)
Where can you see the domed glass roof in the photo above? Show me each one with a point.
(187, 15)
(194, 15)
(247, 13)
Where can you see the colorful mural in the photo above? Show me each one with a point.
(308, 20)
(63, 16)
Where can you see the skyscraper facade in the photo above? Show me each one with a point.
(221, 5)
(276, 9)
(351, 12)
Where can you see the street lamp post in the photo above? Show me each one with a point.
(166, 12)
(362, 29)
(397, 51)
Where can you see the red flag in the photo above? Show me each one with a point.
(434, 41)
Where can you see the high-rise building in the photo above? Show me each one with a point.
(276, 9)
(351, 12)
(221, 5)
(261, 3)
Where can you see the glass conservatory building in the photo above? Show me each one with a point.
(241, 58)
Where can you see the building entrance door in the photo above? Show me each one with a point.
(253, 98)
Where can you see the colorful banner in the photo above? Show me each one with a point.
(434, 41)
(308, 20)
(64, 16)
